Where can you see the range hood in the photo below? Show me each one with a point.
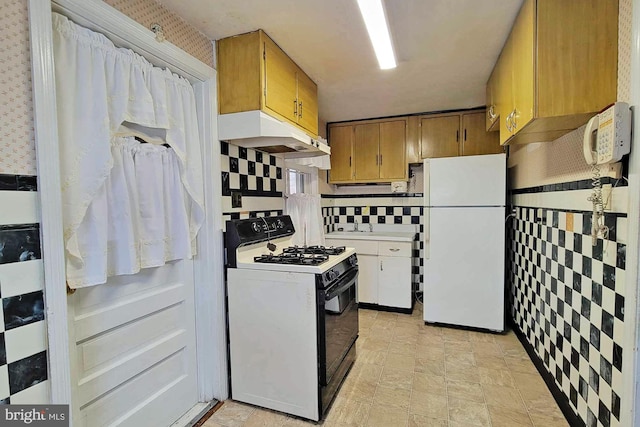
(255, 129)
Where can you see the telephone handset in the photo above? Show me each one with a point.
(612, 129)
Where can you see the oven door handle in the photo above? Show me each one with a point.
(343, 284)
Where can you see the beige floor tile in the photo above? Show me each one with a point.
(232, 414)
(371, 357)
(428, 340)
(422, 421)
(506, 417)
(464, 411)
(495, 395)
(489, 361)
(400, 361)
(518, 364)
(429, 384)
(297, 422)
(265, 418)
(486, 348)
(405, 337)
(530, 386)
(461, 358)
(363, 312)
(482, 337)
(409, 319)
(211, 423)
(496, 377)
(457, 372)
(404, 348)
(429, 405)
(432, 352)
(451, 334)
(543, 405)
(362, 391)
(392, 396)
(429, 367)
(395, 377)
(387, 315)
(465, 390)
(382, 334)
(348, 412)
(455, 347)
(549, 421)
(431, 329)
(376, 344)
(459, 424)
(386, 417)
(364, 371)
(365, 322)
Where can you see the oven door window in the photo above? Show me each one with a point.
(340, 323)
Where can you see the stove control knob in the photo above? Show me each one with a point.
(353, 260)
(255, 227)
(279, 224)
(332, 275)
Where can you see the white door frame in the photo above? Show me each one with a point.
(208, 265)
(630, 399)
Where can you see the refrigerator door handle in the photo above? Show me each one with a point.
(427, 225)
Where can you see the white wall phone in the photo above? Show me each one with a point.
(607, 138)
(612, 129)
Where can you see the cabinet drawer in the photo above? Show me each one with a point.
(399, 249)
(362, 247)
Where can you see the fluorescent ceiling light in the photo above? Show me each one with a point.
(376, 21)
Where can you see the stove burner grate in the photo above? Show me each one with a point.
(314, 250)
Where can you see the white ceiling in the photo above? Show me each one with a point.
(445, 48)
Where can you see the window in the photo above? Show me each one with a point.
(296, 181)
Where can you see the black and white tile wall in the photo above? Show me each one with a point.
(23, 345)
(254, 174)
(567, 298)
(405, 215)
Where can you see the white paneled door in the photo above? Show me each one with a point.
(133, 340)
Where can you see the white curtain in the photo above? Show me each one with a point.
(98, 87)
(306, 213)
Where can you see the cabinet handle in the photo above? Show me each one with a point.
(492, 115)
(513, 119)
(381, 269)
(457, 136)
(465, 134)
(300, 109)
(394, 249)
(349, 161)
(295, 108)
(376, 160)
(380, 159)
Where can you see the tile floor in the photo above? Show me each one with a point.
(410, 374)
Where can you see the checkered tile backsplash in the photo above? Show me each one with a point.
(567, 298)
(382, 215)
(252, 172)
(23, 347)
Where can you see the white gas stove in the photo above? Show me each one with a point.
(293, 317)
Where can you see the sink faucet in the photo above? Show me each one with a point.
(355, 225)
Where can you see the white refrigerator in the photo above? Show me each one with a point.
(464, 247)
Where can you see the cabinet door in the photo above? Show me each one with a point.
(439, 136)
(341, 142)
(368, 279)
(505, 91)
(475, 139)
(522, 60)
(307, 103)
(365, 149)
(280, 82)
(394, 281)
(492, 112)
(392, 150)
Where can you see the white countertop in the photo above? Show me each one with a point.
(394, 236)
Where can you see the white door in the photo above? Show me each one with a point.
(368, 279)
(465, 181)
(394, 281)
(133, 341)
(464, 275)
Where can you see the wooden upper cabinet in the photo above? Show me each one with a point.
(475, 139)
(341, 141)
(558, 68)
(377, 147)
(255, 74)
(280, 82)
(307, 103)
(439, 136)
(367, 139)
(393, 164)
